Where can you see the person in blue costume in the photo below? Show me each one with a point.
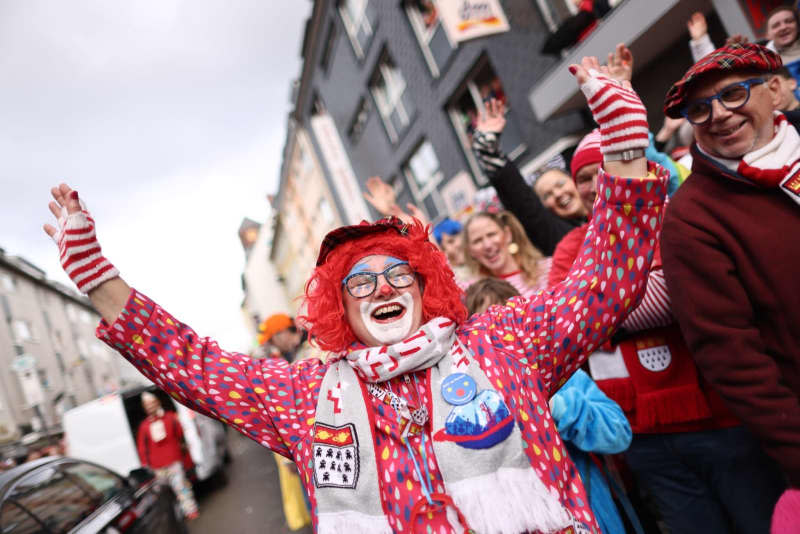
(588, 421)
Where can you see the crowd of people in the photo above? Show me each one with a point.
(608, 346)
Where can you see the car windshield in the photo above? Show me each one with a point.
(57, 498)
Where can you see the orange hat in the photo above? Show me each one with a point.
(272, 325)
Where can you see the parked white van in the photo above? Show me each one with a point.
(104, 431)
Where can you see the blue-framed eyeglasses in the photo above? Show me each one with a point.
(731, 97)
(363, 284)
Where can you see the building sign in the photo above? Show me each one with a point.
(468, 19)
(341, 172)
(458, 194)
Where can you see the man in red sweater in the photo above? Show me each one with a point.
(730, 243)
(161, 447)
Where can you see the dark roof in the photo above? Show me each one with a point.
(8, 477)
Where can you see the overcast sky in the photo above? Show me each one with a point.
(169, 117)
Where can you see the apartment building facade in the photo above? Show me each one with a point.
(50, 359)
(389, 89)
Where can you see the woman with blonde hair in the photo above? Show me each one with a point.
(495, 245)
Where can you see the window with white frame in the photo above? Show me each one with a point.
(422, 171)
(22, 330)
(359, 18)
(8, 282)
(388, 88)
(482, 85)
(433, 41)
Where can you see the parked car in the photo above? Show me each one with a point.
(56, 495)
(104, 431)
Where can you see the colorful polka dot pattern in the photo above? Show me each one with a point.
(527, 349)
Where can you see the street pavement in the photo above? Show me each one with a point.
(250, 502)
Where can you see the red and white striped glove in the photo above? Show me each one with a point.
(79, 250)
(618, 111)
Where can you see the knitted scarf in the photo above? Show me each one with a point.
(776, 164)
(477, 444)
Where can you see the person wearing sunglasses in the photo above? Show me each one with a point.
(731, 243)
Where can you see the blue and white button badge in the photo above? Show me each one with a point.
(458, 389)
(477, 420)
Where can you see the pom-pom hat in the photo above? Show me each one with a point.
(732, 58)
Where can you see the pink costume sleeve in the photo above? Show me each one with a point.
(267, 400)
(558, 328)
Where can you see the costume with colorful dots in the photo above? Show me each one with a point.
(527, 349)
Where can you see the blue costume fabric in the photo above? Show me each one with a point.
(588, 421)
(665, 161)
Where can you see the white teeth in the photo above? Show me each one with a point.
(388, 309)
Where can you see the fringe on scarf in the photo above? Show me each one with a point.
(509, 501)
(350, 522)
(621, 391)
(675, 405)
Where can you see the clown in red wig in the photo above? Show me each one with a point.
(419, 419)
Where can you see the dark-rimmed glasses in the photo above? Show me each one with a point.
(363, 284)
(731, 97)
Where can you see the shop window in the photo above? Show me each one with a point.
(359, 18)
(433, 40)
(359, 120)
(480, 86)
(388, 88)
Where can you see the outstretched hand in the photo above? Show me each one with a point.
(493, 118)
(697, 25)
(65, 202)
(78, 248)
(619, 113)
(381, 196)
(620, 63)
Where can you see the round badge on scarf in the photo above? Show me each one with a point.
(458, 389)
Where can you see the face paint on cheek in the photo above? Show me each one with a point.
(394, 331)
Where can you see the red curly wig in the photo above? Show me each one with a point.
(325, 317)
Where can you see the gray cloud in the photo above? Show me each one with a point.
(141, 99)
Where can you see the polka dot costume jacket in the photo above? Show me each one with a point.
(527, 349)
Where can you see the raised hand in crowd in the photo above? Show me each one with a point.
(81, 255)
(381, 196)
(669, 128)
(737, 38)
(620, 63)
(697, 26)
(493, 118)
(621, 116)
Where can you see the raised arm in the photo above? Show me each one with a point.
(557, 329)
(543, 227)
(267, 400)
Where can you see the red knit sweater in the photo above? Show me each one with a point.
(731, 252)
(159, 440)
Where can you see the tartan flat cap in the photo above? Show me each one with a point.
(732, 58)
(348, 233)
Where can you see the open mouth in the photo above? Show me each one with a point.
(492, 257)
(728, 132)
(564, 200)
(388, 313)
